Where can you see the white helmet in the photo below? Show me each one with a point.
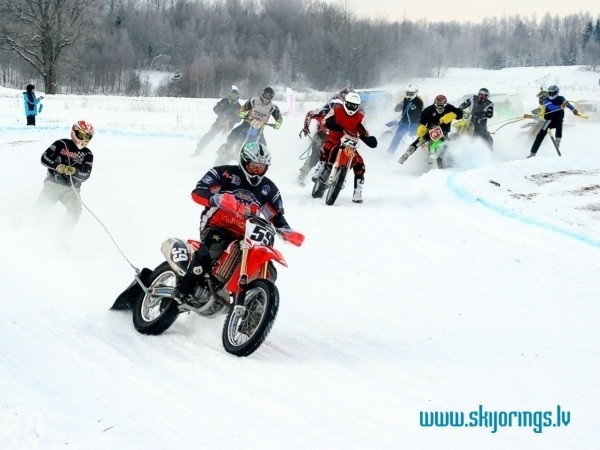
(411, 91)
(254, 161)
(351, 103)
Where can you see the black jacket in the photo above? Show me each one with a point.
(411, 109)
(231, 179)
(430, 117)
(227, 108)
(66, 152)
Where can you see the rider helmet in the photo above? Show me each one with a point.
(234, 94)
(267, 95)
(254, 161)
(553, 91)
(411, 91)
(352, 103)
(483, 94)
(440, 103)
(82, 133)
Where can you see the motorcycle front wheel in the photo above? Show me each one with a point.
(242, 335)
(336, 186)
(155, 314)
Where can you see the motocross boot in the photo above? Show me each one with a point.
(183, 292)
(318, 170)
(357, 196)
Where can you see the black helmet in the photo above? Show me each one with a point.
(483, 94)
(267, 95)
(553, 91)
(30, 87)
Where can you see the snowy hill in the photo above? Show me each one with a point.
(442, 292)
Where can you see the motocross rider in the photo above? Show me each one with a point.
(440, 113)
(346, 118)
(482, 109)
(257, 110)
(229, 194)
(552, 107)
(227, 110)
(318, 115)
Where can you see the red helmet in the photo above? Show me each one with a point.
(440, 103)
(82, 133)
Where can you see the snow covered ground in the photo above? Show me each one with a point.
(444, 291)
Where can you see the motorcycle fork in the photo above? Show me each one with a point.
(243, 281)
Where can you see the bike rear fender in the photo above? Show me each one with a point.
(257, 257)
(178, 254)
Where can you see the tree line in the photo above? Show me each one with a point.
(102, 47)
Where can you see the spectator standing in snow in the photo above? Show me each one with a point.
(32, 103)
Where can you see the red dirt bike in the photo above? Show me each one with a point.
(241, 286)
(333, 177)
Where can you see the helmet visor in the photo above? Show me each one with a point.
(83, 136)
(255, 168)
(352, 106)
(266, 97)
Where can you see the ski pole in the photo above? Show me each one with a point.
(553, 141)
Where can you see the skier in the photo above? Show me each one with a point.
(482, 109)
(342, 119)
(69, 164)
(553, 112)
(32, 104)
(410, 107)
(258, 109)
(321, 134)
(439, 113)
(227, 110)
(229, 194)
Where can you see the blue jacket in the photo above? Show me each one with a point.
(31, 103)
(553, 108)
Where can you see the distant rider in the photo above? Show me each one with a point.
(410, 109)
(439, 113)
(346, 118)
(318, 115)
(482, 109)
(257, 110)
(553, 108)
(227, 110)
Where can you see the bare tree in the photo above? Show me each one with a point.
(40, 31)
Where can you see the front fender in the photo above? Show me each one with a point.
(257, 257)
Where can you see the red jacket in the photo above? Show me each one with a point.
(338, 121)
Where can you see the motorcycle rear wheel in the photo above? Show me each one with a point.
(152, 314)
(243, 335)
(336, 186)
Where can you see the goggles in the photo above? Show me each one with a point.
(352, 106)
(255, 168)
(83, 136)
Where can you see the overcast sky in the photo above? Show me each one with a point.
(466, 10)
